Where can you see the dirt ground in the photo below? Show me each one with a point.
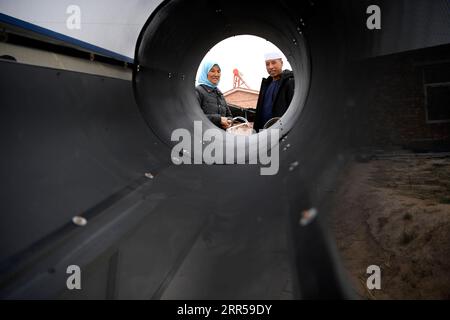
(394, 212)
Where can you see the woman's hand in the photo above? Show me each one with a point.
(225, 122)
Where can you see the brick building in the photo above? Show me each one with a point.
(242, 97)
(408, 103)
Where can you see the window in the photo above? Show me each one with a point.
(437, 92)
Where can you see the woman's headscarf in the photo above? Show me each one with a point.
(207, 66)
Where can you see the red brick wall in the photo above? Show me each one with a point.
(242, 99)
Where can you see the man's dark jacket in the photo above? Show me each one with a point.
(282, 99)
(213, 103)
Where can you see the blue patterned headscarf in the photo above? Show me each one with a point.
(207, 66)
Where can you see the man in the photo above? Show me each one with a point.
(276, 91)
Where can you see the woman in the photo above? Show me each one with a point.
(210, 98)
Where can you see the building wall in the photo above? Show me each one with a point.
(242, 99)
(393, 110)
(49, 59)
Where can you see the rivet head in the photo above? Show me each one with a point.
(149, 175)
(79, 221)
(307, 217)
(293, 165)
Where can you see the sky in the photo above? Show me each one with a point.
(246, 53)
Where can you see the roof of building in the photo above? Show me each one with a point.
(241, 90)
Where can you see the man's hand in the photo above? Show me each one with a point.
(225, 122)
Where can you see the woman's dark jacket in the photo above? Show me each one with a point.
(282, 99)
(213, 103)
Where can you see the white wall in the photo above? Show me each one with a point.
(110, 24)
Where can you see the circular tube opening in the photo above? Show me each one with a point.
(242, 68)
(173, 43)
